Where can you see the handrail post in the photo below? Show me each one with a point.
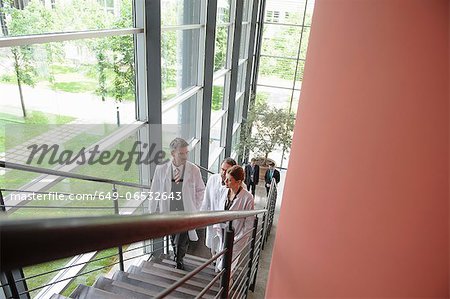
(2, 202)
(14, 288)
(227, 260)
(116, 211)
(252, 253)
(263, 233)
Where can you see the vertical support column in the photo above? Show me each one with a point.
(249, 94)
(153, 55)
(154, 94)
(227, 260)
(116, 211)
(262, 8)
(234, 75)
(250, 62)
(252, 253)
(210, 39)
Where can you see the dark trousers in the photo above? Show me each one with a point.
(267, 190)
(180, 244)
(252, 186)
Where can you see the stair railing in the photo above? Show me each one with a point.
(234, 284)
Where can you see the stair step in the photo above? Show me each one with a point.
(196, 258)
(85, 292)
(162, 275)
(58, 296)
(158, 285)
(155, 264)
(123, 289)
(188, 260)
(188, 265)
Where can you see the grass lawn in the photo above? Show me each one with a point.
(80, 79)
(17, 130)
(38, 281)
(110, 257)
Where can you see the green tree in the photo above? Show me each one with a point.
(89, 15)
(25, 20)
(266, 128)
(220, 52)
(123, 56)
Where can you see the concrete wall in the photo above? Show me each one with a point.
(365, 210)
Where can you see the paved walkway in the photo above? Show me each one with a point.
(84, 106)
(58, 135)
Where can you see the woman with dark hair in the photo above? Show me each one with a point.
(237, 199)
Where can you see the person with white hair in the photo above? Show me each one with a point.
(177, 185)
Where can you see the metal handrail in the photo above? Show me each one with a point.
(4, 164)
(205, 169)
(57, 238)
(191, 274)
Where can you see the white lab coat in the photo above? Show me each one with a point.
(243, 201)
(211, 202)
(193, 189)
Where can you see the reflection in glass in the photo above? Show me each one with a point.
(245, 35)
(186, 116)
(223, 11)
(179, 61)
(180, 12)
(216, 134)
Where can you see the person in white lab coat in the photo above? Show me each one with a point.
(236, 199)
(177, 185)
(215, 190)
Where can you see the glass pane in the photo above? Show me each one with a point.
(238, 109)
(305, 42)
(235, 140)
(277, 72)
(223, 11)
(218, 97)
(215, 165)
(285, 11)
(243, 51)
(280, 40)
(221, 46)
(87, 81)
(179, 61)
(299, 77)
(274, 97)
(180, 12)
(33, 17)
(186, 116)
(295, 101)
(216, 136)
(246, 14)
(309, 12)
(242, 71)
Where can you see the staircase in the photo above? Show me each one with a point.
(150, 278)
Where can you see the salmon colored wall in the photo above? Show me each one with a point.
(365, 211)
